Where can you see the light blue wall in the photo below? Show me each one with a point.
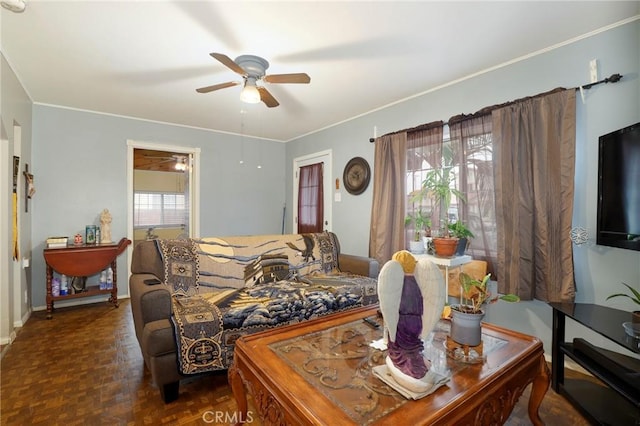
(598, 270)
(15, 111)
(80, 161)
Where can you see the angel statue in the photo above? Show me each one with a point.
(105, 226)
(412, 296)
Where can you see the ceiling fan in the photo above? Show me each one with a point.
(253, 69)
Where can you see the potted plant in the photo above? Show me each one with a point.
(634, 296)
(463, 234)
(437, 185)
(466, 317)
(421, 221)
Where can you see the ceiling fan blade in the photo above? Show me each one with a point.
(302, 78)
(217, 87)
(267, 97)
(229, 63)
(167, 160)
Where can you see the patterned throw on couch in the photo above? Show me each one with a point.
(223, 289)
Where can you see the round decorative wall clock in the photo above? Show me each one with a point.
(356, 176)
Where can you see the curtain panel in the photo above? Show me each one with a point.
(534, 155)
(310, 199)
(389, 188)
(424, 151)
(472, 145)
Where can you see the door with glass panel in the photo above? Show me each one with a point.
(312, 193)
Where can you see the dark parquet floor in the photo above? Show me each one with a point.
(84, 367)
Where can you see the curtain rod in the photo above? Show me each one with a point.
(614, 78)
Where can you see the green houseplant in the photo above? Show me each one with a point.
(476, 292)
(466, 317)
(460, 230)
(463, 234)
(634, 297)
(437, 185)
(421, 222)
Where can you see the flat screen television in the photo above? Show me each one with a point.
(619, 189)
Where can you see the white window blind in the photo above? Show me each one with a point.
(159, 209)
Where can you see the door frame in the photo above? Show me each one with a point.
(6, 308)
(194, 186)
(317, 157)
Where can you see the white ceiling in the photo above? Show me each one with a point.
(145, 59)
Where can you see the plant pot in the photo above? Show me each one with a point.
(462, 246)
(635, 317)
(466, 328)
(428, 245)
(416, 247)
(445, 247)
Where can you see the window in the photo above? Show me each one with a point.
(159, 209)
(420, 161)
(467, 154)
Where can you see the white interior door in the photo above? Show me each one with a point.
(318, 157)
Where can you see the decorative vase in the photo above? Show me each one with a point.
(466, 328)
(461, 248)
(428, 245)
(445, 247)
(416, 247)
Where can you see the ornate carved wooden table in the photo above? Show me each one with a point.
(319, 372)
(83, 261)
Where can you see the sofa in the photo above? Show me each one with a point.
(191, 299)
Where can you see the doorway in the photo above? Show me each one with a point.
(324, 158)
(163, 184)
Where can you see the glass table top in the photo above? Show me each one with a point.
(338, 362)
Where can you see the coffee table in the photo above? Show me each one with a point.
(319, 372)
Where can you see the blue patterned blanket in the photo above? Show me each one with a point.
(208, 323)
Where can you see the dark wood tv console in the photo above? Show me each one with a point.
(616, 403)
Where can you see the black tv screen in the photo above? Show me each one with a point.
(619, 189)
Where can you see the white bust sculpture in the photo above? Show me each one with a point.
(105, 226)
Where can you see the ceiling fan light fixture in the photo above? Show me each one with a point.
(181, 165)
(250, 93)
(17, 6)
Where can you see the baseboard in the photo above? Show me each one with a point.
(23, 320)
(78, 302)
(8, 340)
(568, 363)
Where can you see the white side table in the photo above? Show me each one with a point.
(447, 262)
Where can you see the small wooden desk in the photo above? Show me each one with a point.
(83, 261)
(331, 383)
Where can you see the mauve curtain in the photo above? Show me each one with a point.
(534, 147)
(472, 144)
(424, 150)
(310, 199)
(388, 206)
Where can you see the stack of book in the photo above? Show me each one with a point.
(56, 242)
